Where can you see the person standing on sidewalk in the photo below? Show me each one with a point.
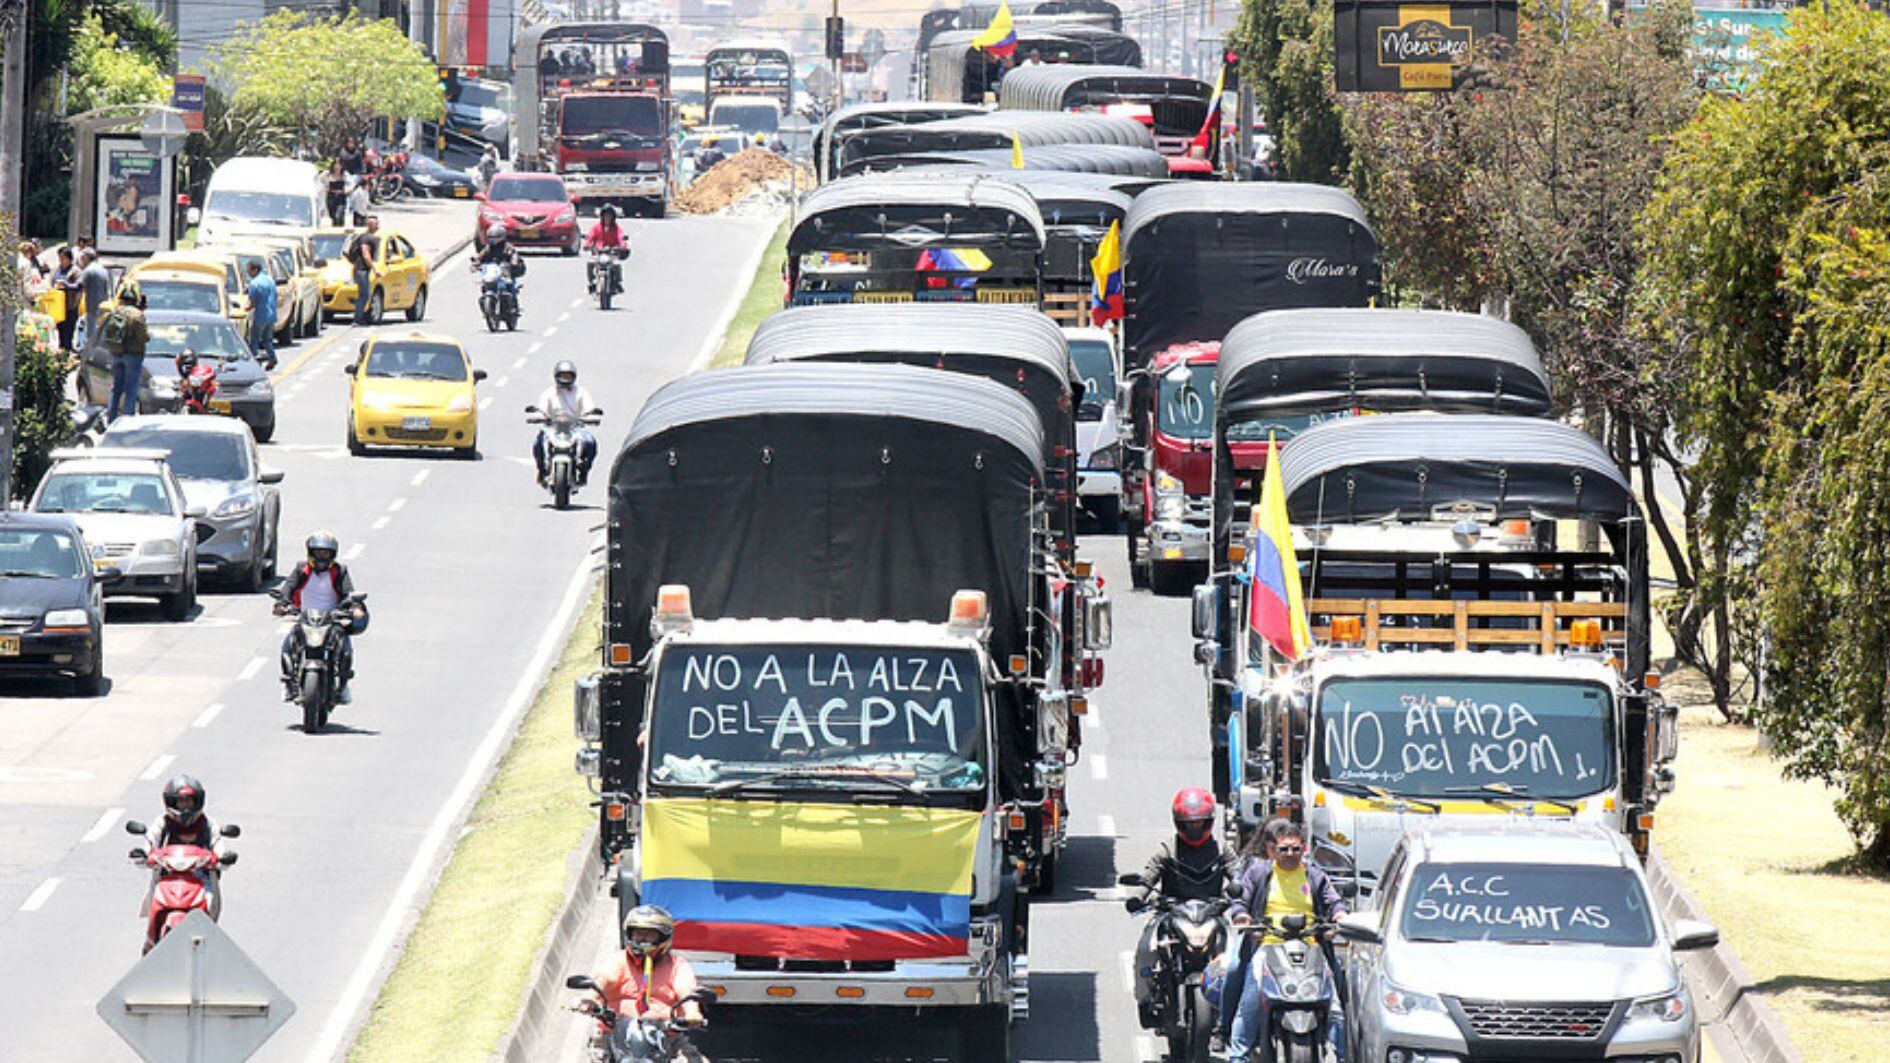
(337, 194)
(71, 285)
(359, 202)
(364, 250)
(352, 158)
(97, 281)
(126, 336)
(262, 315)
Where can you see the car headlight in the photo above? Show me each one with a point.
(377, 403)
(459, 404)
(1168, 484)
(159, 548)
(1669, 1008)
(567, 214)
(1401, 1001)
(235, 506)
(67, 618)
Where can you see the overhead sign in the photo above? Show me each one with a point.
(1386, 46)
(187, 97)
(195, 997)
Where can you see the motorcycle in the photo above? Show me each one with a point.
(498, 295)
(632, 1040)
(182, 887)
(196, 383)
(1299, 988)
(604, 273)
(88, 424)
(1188, 937)
(316, 663)
(561, 451)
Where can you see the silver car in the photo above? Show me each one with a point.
(1528, 939)
(132, 514)
(215, 462)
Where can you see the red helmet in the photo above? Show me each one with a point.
(1194, 815)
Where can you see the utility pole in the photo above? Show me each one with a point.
(12, 139)
(839, 89)
(416, 32)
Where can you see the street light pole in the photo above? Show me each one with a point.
(12, 138)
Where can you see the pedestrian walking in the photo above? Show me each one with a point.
(337, 194)
(360, 204)
(97, 282)
(70, 283)
(488, 166)
(363, 251)
(126, 336)
(262, 315)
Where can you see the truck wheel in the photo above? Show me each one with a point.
(987, 1037)
(1138, 570)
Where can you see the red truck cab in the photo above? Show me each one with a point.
(611, 144)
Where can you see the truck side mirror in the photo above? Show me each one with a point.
(1207, 603)
(1361, 927)
(1666, 732)
(585, 708)
(1099, 623)
(1690, 934)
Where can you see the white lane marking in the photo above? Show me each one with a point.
(550, 331)
(421, 477)
(203, 718)
(397, 505)
(157, 766)
(355, 550)
(1149, 1050)
(38, 898)
(106, 820)
(575, 303)
(1098, 767)
(400, 907)
(249, 670)
(533, 349)
(1128, 970)
(520, 364)
(502, 381)
(566, 316)
(379, 523)
(1106, 825)
(712, 342)
(484, 403)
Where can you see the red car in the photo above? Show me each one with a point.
(536, 210)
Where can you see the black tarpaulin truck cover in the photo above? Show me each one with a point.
(991, 129)
(873, 115)
(883, 212)
(1200, 256)
(866, 492)
(955, 69)
(1103, 159)
(1286, 362)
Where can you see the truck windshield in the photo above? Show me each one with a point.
(1281, 429)
(638, 116)
(1186, 401)
(1554, 903)
(1097, 367)
(1445, 736)
(830, 716)
(747, 117)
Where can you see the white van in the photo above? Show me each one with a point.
(262, 195)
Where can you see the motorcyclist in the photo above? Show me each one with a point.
(565, 399)
(606, 235)
(321, 583)
(648, 980)
(498, 248)
(1268, 891)
(1194, 867)
(185, 823)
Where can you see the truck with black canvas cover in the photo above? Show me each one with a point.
(956, 69)
(1173, 108)
(860, 116)
(888, 238)
(802, 748)
(1469, 657)
(1007, 131)
(1198, 258)
(1025, 352)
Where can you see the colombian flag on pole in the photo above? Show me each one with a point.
(811, 881)
(1202, 147)
(1105, 293)
(1000, 37)
(1277, 611)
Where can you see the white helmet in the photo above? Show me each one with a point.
(495, 231)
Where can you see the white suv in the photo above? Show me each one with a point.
(1098, 448)
(132, 513)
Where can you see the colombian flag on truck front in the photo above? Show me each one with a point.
(811, 881)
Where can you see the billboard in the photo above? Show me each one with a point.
(1386, 46)
(132, 199)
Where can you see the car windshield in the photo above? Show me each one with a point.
(829, 716)
(426, 361)
(279, 208)
(1537, 904)
(1186, 402)
(1448, 736)
(527, 190)
(194, 455)
(181, 295)
(639, 116)
(39, 553)
(1098, 370)
(747, 117)
(210, 339)
(104, 492)
(473, 94)
(329, 245)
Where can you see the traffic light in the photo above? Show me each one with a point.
(836, 37)
(449, 84)
(1230, 61)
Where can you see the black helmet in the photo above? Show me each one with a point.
(322, 549)
(648, 917)
(607, 212)
(565, 373)
(183, 800)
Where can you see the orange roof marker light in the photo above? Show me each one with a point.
(1585, 635)
(1347, 631)
(673, 610)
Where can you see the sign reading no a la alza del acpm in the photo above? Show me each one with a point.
(1386, 46)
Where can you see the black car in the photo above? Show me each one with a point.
(243, 387)
(429, 177)
(51, 605)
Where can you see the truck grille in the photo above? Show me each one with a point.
(1566, 1022)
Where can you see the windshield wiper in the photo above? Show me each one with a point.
(1380, 794)
(813, 775)
(1497, 793)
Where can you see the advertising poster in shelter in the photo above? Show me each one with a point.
(131, 213)
(1385, 46)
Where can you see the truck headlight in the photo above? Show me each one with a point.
(649, 167)
(1669, 1008)
(1171, 507)
(1168, 484)
(67, 618)
(1401, 1001)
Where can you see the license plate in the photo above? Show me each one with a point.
(9, 646)
(101, 563)
(219, 405)
(416, 424)
(460, 192)
(528, 234)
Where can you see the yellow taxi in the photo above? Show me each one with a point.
(175, 280)
(400, 279)
(415, 390)
(280, 269)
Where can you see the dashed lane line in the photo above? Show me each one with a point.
(519, 364)
(355, 550)
(397, 505)
(550, 331)
(1098, 767)
(38, 898)
(421, 477)
(485, 403)
(249, 670)
(158, 766)
(533, 349)
(207, 715)
(379, 523)
(106, 821)
(1106, 825)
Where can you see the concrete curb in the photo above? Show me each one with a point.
(439, 259)
(1723, 989)
(541, 1018)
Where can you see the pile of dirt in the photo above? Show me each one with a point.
(733, 180)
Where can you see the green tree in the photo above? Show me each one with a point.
(1767, 251)
(1285, 49)
(325, 79)
(105, 72)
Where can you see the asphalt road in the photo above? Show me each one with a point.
(471, 579)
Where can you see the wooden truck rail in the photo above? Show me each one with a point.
(1461, 624)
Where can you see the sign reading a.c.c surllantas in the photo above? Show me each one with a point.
(1386, 46)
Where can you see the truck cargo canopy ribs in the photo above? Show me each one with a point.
(887, 212)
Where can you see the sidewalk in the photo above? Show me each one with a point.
(439, 228)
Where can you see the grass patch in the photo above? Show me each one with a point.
(763, 298)
(1772, 865)
(472, 950)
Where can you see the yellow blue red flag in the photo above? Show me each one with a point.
(1203, 144)
(1276, 611)
(1105, 294)
(1000, 37)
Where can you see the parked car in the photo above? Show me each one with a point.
(401, 279)
(426, 176)
(244, 390)
(133, 515)
(1531, 939)
(52, 611)
(415, 390)
(536, 210)
(482, 110)
(160, 276)
(1098, 445)
(214, 460)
